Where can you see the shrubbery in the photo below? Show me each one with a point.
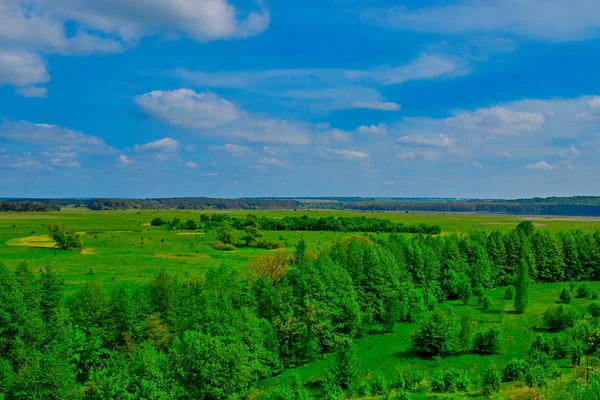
(559, 318)
(488, 342)
(223, 246)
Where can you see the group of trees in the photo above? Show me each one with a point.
(216, 337)
(65, 238)
(27, 206)
(303, 223)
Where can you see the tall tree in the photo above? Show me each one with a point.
(344, 368)
(522, 281)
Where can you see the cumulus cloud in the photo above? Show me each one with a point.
(592, 112)
(123, 159)
(165, 145)
(535, 19)
(190, 165)
(426, 140)
(376, 105)
(498, 121)
(571, 151)
(353, 154)
(210, 115)
(47, 134)
(379, 129)
(408, 155)
(27, 164)
(30, 27)
(273, 161)
(233, 149)
(542, 165)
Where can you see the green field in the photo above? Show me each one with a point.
(115, 250)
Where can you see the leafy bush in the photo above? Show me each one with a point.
(157, 222)
(268, 245)
(594, 309)
(488, 342)
(436, 334)
(558, 318)
(486, 303)
(565, 296)
(535, 375)
(514, 370)
(583, 291)
(594, 295)
(509, 293)
(223, 246)
(450, 381)
(491, 380)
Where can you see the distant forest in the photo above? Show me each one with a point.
(577, 206)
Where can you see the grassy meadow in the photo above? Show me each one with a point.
(124, 250)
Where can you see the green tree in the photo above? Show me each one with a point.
(465, 334)
(436, 334)
(226, 233)
(491, 380)
(522, 281)
(253, 233)
(300, 252)
(565, 296)
(344, 367)
(392, 314)
(64, 238)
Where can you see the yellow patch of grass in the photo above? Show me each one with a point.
(88, 250)
(190, 233)
(33, 241)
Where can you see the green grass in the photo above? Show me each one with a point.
(114, 249)
(389, 353)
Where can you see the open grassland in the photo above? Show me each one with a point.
(122, 248)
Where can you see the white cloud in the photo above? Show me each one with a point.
(190, 148)
(191, 165)
(233, 149)
(273, 161)
(32, 91)
(542, 165)
(592, 112)
(273, 151)
(331, 88)
(379, 129)
(165, 145)
(210, 174)
(348, 153)
(498, 121)
(23, 69)
(557, 20)
(45, 134)
(387, 183)
(209, 114)
(186, 108)
(60, 162)
(477, 164)
(409, 155)
(572, 151)
(426, 140)
(123, 159)
(27, 164)
(30, 27)
(377, 105)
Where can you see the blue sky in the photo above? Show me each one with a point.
(227, 98)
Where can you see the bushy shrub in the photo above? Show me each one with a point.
(223, 246)
(491, 380)
(535, 375)
(268, 245)
(509, 293)
(594, 295)
(542, 345)
(157, 222)
(594, 309)
(565, 296)
(450, 381)
(513, 371)
(379, 386)
(486, 303)
(435, 335)
(561, 345)
(488, 342)
(558, 318)
(583, 291)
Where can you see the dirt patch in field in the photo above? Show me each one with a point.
(180, 256)
(33, 241)
(551, 218)
(88, 250)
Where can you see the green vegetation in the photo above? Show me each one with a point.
(153, 310)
